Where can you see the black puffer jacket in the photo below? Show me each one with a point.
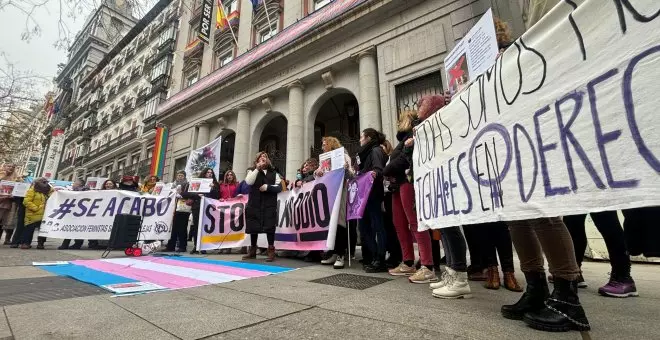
(261, 209)
(400, 160)
(373, 158)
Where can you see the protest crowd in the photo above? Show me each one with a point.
(388, 228)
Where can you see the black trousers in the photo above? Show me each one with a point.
(66, 242)
(341, 242)
(20, 222)
(28, 234)
(194, 226)
(642, 230)
(607, 223)
(474, 238)
(372, 232)
(269, 236)
(455, 249)
(497, 242)
(393, 245)
(179, 231)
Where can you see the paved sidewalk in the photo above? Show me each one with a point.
(289, 306)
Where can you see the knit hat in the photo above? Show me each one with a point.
(428, 105)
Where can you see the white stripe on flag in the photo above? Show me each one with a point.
(197, 274)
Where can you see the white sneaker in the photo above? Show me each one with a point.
(456, 287)
(443, 279)
(423, 275)
(330, 260)
(339, 263)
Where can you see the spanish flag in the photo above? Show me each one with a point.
(221, 17)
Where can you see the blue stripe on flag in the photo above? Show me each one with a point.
(87, 275)
(242, 265)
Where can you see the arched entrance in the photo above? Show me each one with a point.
(227, 150)
(273, 141)
(338, 116)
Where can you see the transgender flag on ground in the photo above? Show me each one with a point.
(143, 274)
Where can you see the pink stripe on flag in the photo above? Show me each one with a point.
(161, 279)
(216, 268)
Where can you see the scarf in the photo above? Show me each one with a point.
(183, 183)
(365, 150)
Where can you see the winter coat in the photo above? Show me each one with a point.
(227, 190)
(35, 205)
(400, 160)
(196, 200)
(373, 158)
(261, 209)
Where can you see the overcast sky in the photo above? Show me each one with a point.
(38, 54)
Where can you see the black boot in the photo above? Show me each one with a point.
(531, 300)
(8, 234)
(65, 244)
(563, 311)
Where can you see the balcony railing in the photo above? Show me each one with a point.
(113, 143)
(65, 163)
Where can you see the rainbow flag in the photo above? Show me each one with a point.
(158, 157)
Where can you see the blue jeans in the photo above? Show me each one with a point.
(455, 249)
(372, 232)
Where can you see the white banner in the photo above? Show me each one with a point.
(90, 214)
(208, 156)
(52, 160)
(565, 122)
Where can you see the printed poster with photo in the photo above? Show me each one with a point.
(7, 187)
(20, 189)
(332, 160)
(201, 185)
(473, 55)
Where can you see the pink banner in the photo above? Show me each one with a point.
(359, 189)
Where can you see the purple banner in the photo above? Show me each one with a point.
(359, 189)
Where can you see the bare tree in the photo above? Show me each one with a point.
(19, 98)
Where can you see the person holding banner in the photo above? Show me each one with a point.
(403, 208)
(371, 159)
(35, 205)
(78, 185)
(336, 256)
(196, 198)
(181, 216)
(7, 206)
(149, 184)
(261, 208)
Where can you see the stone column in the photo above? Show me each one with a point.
(202, 134)
(295, 136)
(369, 96)
(242, 157)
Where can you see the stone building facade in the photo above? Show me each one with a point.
(110, 127)
(304, 69)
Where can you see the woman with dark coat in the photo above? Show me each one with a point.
(372, 159)
(197, 199)
(261, 209)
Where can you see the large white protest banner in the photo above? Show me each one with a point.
(565, 122)
(90, 214)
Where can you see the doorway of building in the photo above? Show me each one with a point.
(338, 116)
(273, 142)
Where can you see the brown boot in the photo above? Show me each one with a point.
(511, 283)
(251, 254)
(271, 254)
(492, 278)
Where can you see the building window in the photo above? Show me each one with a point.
(193, 33)
(135, 159)
(162, 67)
(318, 4)
(231, 6)
(191, 77)
(224, 56)
(409, 93)
(152, 104)
(267, 32)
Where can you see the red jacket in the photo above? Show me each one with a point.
(227, 190)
